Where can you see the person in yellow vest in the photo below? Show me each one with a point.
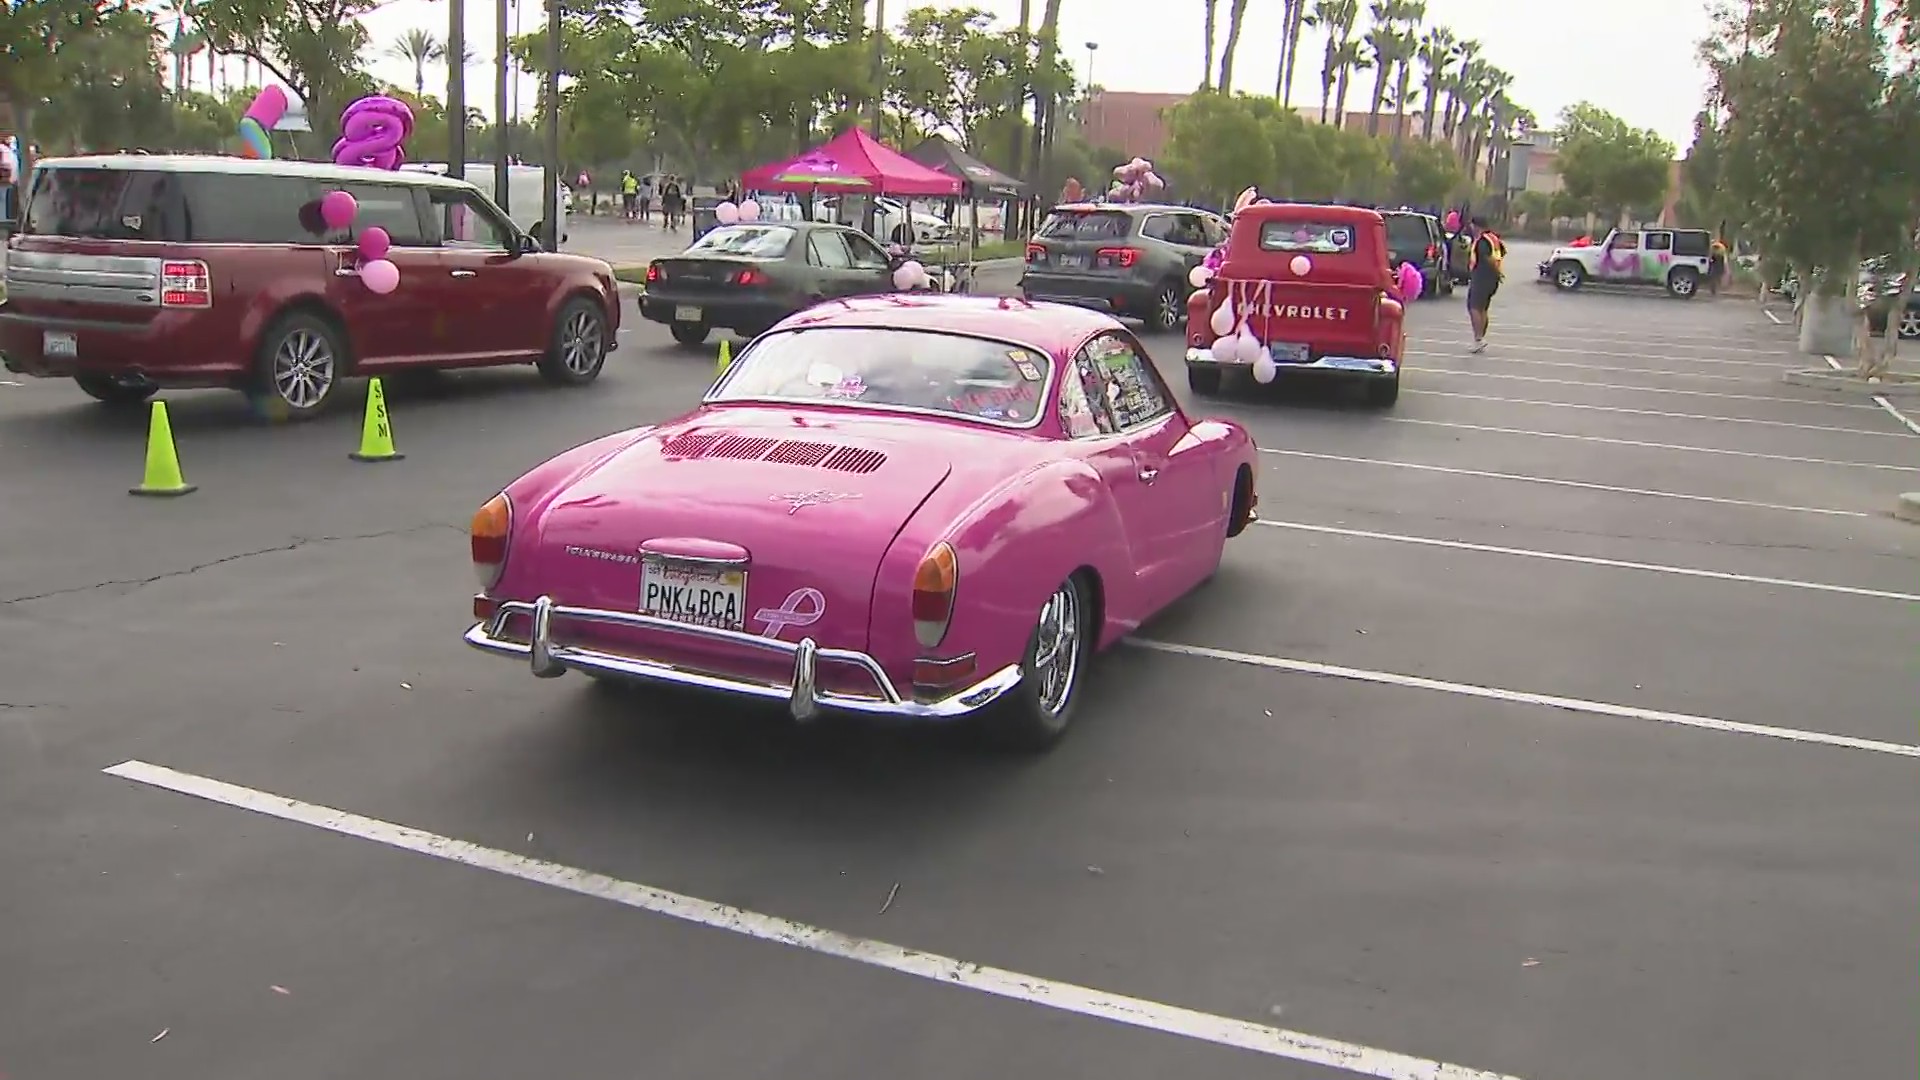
(1716, 265)
(1484, 277)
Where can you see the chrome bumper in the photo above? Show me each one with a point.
(1349, 365)
(803, 696)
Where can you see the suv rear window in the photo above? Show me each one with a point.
(1408, 232)
(1086, 225)
(171, 207)
(1692, 243)
(1318, 237)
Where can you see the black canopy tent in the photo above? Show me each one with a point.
(977, 179)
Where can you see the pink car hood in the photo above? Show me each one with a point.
(813, 508)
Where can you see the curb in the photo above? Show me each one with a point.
(1844, 382)
(1907, 507)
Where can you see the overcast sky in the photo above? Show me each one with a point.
(1633, 57)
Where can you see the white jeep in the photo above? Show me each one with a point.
(1673, 259)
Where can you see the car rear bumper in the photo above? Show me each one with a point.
(1357, 367)
(1108, 294)
(729, 313)
(802, 693)
(166, 351)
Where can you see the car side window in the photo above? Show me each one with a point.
(1158, 227)
(1082, 413)
(467, 223)
(1659, 241)
(865, 253)
(1126, 382)
(1216, 231)
(825, 248)
(1188, 230)
(225, 208)
(394, 207)
(1626, 242)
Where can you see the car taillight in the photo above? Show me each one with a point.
(1036, 252)
(1120, 257)
(654, 273)
(185, 283)
(933, 587)
(750, 277)
(492, 524)
(1432, 251)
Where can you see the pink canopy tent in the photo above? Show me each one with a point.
(853, 163)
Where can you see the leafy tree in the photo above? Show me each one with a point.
(313, 47)
(1609, 166)
(953, 68)
(1217, 145)
(1425, 173)
(46, 44)
(112, 96)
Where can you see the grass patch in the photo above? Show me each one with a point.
(988, 250)
(632, 275)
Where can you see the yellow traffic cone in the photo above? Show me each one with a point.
(726, 356)
(376, 431)
(162, 477)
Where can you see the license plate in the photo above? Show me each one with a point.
(686, 313)
(696, 595)
(1073, 262)
(1352, 363)
(1289, 354)
(59, 346)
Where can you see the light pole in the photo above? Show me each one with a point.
(550, 189)
(1092, 47)
(502, 127)
(457, 89)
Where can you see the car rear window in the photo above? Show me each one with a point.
(753, 241)
(1407, 233)
(1318, 237)
(922, 370)
(173, 207)
(1086, 225)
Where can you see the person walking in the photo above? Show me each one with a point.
(646, 198)
(1485, 272)
(672, 200)
(1716, 265)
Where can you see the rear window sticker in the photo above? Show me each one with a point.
(852, 386)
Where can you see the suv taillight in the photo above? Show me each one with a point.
(185, 283)
(1432, 251)
(1124, 258)
(1036, 252)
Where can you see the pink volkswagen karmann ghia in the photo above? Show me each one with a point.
(918, 506)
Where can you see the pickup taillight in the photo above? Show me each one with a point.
(185, 283)
(1124, 258)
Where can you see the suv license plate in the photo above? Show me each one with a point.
(59, 346)
(684, 313)
(1074, 262)
(1289, 354)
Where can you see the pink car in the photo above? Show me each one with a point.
(917, 506)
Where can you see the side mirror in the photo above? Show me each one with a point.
(530, 245)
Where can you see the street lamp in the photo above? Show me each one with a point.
(1092, 47)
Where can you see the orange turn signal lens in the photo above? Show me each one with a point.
(933, 588)
(492, 524)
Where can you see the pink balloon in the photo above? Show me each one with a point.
(1300, 265)
(337, 209)
(909, 275)
(749, 211)
(380, 276)
(374, 243)
(726, 213)
(1453, 221)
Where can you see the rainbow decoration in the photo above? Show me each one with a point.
(267, 109)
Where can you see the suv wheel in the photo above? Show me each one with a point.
(690, 333)
(1910, 323)
(1568, 275)
(299, 365)
(115, 391)
(1169, 305)
(579, 345)
(1684, 282)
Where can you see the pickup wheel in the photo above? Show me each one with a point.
(1035, 714)
(1382, 393)
(1568, 274)
(1204, 381)
(688, 333)
(1684, 282)
(300, 363)
(579, 347)
(114, 391)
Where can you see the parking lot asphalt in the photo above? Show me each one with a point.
(1559, 723)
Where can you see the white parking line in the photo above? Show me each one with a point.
(1549, 481)
(1064, 997)
(1495, 344)
(1651, 445)
(1600, 344)
(1564, 330)
(1664, 373)
(1591, 560)
(1664, 390)
(1521, 697)
(1666, 415)
(1881, 400)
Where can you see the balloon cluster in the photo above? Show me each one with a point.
(1412, 281)
(269, 105)
(1133, 180)
(372, 131)
(377, 272)
(911, 275)
(1232, 321)
(729, 214)
(1453, 221)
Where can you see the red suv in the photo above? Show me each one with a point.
(132, 273)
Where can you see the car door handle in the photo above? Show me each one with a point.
(464, 273)
(1147, 476)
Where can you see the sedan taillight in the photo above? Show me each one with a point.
(488, 535)
(934, 584)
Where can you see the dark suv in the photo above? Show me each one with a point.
(1130, 259)
(1417, 238)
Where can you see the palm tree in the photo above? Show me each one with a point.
(1213, 21)
(1294, 16)
(1465, 54)
(1235, 14)
(1436, 61)
(1382, 45)
(419, 48)
(1343, 54)
(1406, 47)
(1351, 59)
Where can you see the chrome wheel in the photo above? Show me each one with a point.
(1682, 285)
(304, 368)
(582, 342)
(1567, 278)
(1056, 653)
(1910, 323)
(1166, 315)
